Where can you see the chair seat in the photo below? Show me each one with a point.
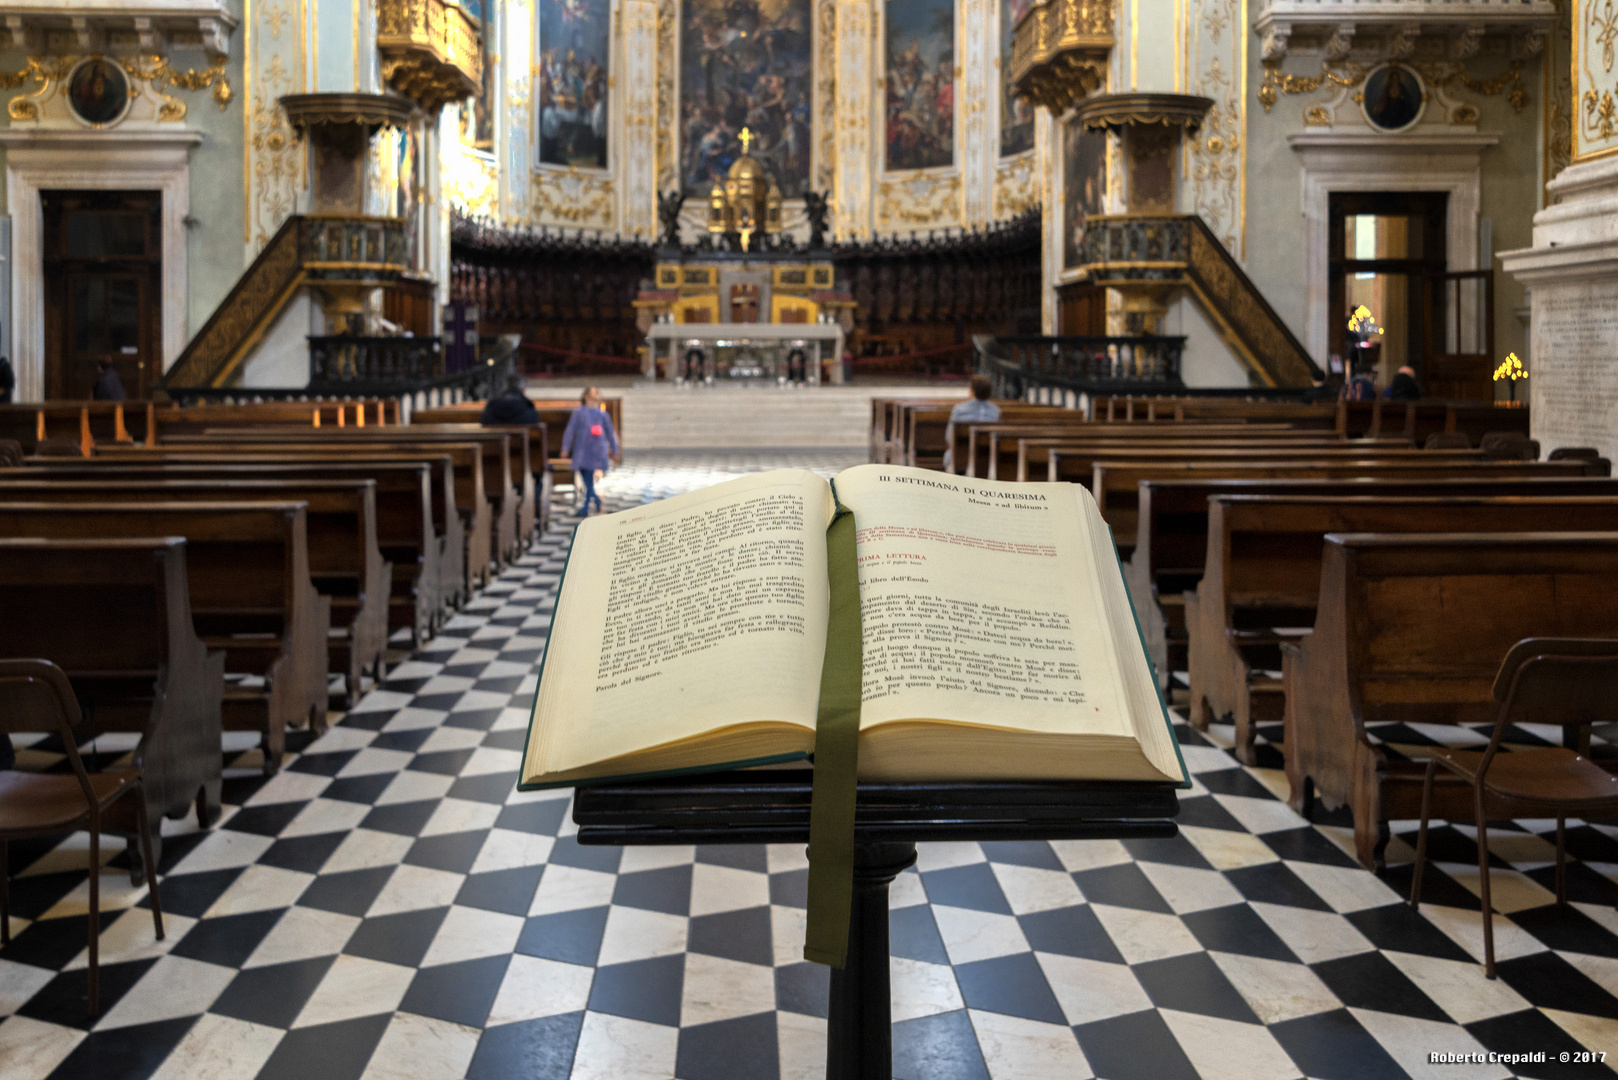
(39, 802)
(1553, 774)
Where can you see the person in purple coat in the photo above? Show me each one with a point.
(591, 442)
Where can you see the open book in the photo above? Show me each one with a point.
(999, 640)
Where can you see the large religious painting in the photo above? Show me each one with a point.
(921, 83)
(1016, 115)
(745, 64)
(575, 43)
(477, 113)
(1084, 179)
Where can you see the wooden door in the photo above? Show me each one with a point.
(1081, 310)
(102, 266)
(1382, 249)
(744, 303)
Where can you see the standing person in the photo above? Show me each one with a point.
(977, 409)
(8, 381)
(591, 442)
(109, 384)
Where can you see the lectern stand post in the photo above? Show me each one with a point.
(859, 1026)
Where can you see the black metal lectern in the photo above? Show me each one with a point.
(771, 806)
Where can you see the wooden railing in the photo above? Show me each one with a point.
(386, 363)
(1020, 367)
(1132, 252)
(334, 251)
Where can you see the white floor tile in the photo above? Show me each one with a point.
(1018, 1049)
(1090, 990)
(978, 935)
(414, 1047)
(1188, 889)
(1410, 1041)
(31, 1049)
(635, 934)
(366, 848)
(18, 983)
(220, 1048)
(354, 986)
(1276, 990)
(1459, 988)
(412, 888)
(617, 1048)
(1314, 936)
(508, 849)
(260, 888)
(1029, 889)
(723, 888)
(171, 988)
(922, 989)
(302, 933)
(568, 888)
(534, 987)
(1145, 935)
(719, 989)
(1228, 1050)
(460, 815)
(469, 933)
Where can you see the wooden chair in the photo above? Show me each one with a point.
(1568, 681)
(35, 696)
(1448, 440)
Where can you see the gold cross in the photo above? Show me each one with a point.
(746, 136)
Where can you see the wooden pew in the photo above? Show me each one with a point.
(508, 503)
(525, 447)
(1009, 454)
(885, 421)
(1321, 417)
(1116, 482)
(1076, 463)
(1017, 454)
(251, 596)
(345, 563)
(116, 616)
(457, 487)
(87, 422)
(1263, 574)
(1171, 543)
(174, 420)
(1384, 650)
(405, 530)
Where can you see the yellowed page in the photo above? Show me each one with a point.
(687, 615)
(981, 604)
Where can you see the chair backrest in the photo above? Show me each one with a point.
(1565, 681)
(1574, 453)
(1448, 440)
(1509, 446)
(35, 696)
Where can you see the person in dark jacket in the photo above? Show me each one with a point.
(510, 406)
(8, 381)
(590, 441)
(1404, 386)
(109, 384)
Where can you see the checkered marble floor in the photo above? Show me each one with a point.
(388, 906)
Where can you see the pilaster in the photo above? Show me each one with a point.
(857, 83)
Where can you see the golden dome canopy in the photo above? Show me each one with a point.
(749, 167)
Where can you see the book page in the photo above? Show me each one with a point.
(688, 615)
(980, 604)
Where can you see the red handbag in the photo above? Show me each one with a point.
(595, 429)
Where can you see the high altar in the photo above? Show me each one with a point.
(749, 305)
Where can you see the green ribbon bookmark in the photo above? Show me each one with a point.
(837, 735)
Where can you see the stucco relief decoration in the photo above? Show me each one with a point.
(1595, 47)
(274, 151)
(1443, 80)
(925, 200)
(1558, 93)
(826, 94)
(471, 184)
(668, 27)
(101, 91)
(1016, 186)
(573, 197)
(1216, 154)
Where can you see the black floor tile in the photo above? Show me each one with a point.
(1123, 885)
(460, 993)
(939, 1047)
(452, 852)
(573, 937)
(358, 789)
(192, 894)
(128, 1053)
(1370, 981)
(321, 764)
(569, 852)
(1034, 853)
(1589, 844)
(1137, 1046)
(1399, 928)
(492, 788)
(913, 935)
(351, 892)
(1193, 983)
(477, 719)
(1518, 1031)
(1306, 844)
(667, 890)
(65, 999)
(972, 886)
(404, 819)
(272, 995)
(1236, 928)
(49, 943)
(401, 938)
(306, 854)
(1174, 850)
(1333, 1046)
(508, 891)
(544, 819)
(337, 1051)
(646, 990)
(744, 1048)
(441, 702)
(1235, 781)
(407, 741)
(227, 940)
(802, 988)
(1436, 888)
(1204, 811)
(1014, 985)
(509, 739)
(1550, 982)
(1069, 931)
(442, 762)
(532, 1049)
(266, 820)
(790, 888)
(736, 856)
(34, 895)
(1567, 929)
(1275, 883)
(736, 935)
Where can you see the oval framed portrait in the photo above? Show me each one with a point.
(98, 91)
(1393, 98)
